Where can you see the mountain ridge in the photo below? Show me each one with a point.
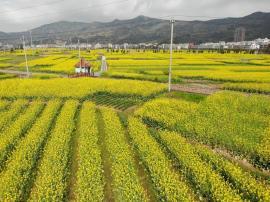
(146, 29)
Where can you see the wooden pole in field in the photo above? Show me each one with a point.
(25, 56)
(171, 52)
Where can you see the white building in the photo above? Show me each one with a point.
(98, 46)
(125, 46)
(264, 41)
(183, 46)
(110, 45)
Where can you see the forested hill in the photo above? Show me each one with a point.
(146, 29)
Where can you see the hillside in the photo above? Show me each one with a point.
(145, 29)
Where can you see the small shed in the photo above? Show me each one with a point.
(83, 67)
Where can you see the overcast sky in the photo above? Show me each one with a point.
(21, 15)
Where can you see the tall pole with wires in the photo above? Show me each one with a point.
(79, 46)
(31, 38)
(31, 42)
(25, 56)
(172, 21)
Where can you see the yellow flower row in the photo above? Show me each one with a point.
(12, 134)
(167, 112)
(245, 134)
(13, 111)
(248, 87)
(64, 67)
(76, 88)
(168, 183)
(251, 188)
(205, 179)
(225, 75)
(18, 171)
(51, 182)
(46, 61)
(90, 180)
(126, 184)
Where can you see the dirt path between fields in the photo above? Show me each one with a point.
(22, 73)
(243, 163)
(206, 89)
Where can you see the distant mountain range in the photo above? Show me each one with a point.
(145, 29)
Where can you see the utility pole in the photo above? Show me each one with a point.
(80, 54)
(31, 38)
(31, 41)
(25, 56)
(171, 52)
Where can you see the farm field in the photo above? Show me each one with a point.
(231, 71)
(149, 65)
(70, 145)
(123, 137)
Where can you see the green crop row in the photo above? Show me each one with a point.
(3, 104)
(116, 102)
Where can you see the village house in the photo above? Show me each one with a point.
(83, 68)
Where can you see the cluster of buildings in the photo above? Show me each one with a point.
(96, 46)
(238, 44)
(5, 46)
(242, 45)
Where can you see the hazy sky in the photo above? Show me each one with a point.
(20, 15)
